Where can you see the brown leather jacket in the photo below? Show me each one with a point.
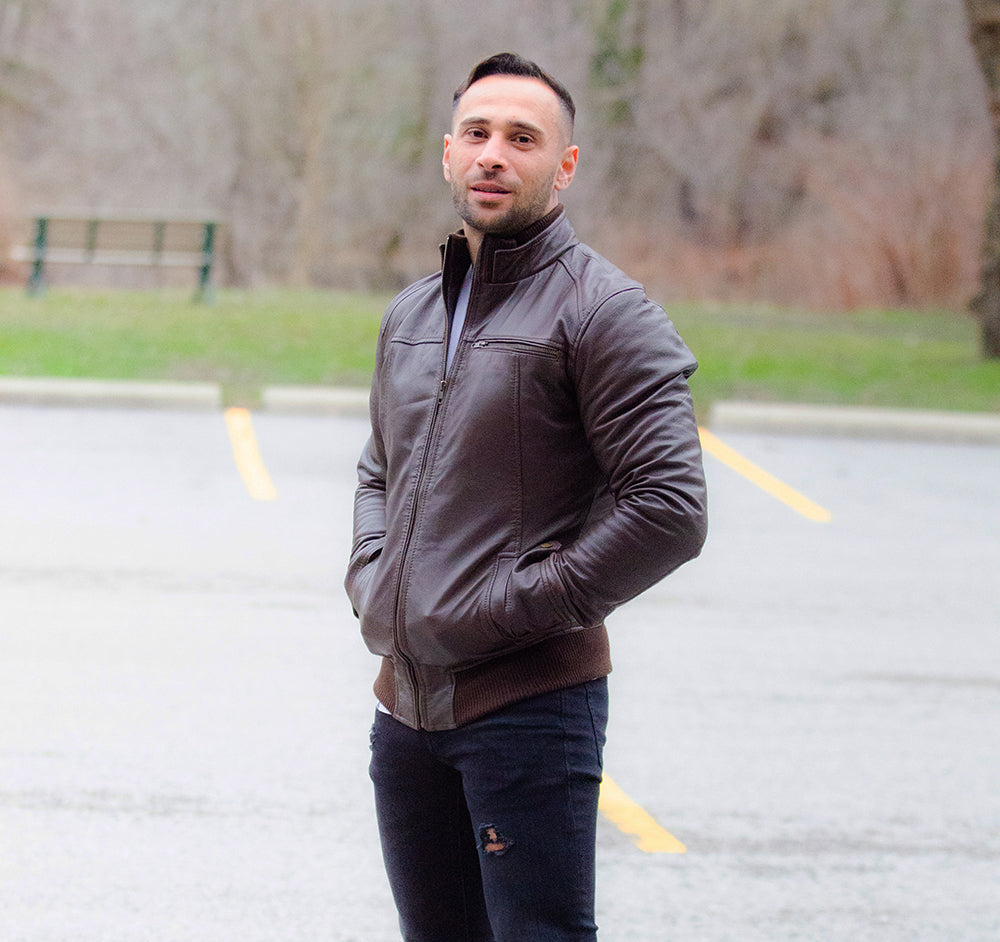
(506, 507)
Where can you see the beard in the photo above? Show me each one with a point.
(527, 206)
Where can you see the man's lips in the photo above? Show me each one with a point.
(494, 189)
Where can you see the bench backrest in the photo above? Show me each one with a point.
(80, 240)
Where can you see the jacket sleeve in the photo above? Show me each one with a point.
(630, 368)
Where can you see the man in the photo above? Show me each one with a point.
(534, 462)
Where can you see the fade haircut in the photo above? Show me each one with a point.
(510, 63)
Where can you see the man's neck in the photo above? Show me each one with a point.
(474, 238)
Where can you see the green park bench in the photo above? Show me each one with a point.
(153, 243)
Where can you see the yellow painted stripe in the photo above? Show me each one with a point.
(247, 455)
(635, 821)
(766, 482)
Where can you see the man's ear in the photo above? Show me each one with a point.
(567, 167)
(444, 159)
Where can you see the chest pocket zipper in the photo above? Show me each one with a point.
(537, 348)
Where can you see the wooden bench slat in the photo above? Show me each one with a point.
(111, 257)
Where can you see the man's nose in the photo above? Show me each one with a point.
(491, 154)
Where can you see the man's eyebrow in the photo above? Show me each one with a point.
(473, 120)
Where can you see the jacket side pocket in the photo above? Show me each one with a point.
(518, 602)
(496, 596)
(359, 576)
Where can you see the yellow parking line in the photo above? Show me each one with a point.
(635, 821)
(247, 455)
(763, 480)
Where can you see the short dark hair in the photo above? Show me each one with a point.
(510, 63)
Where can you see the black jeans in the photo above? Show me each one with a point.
(488, 831)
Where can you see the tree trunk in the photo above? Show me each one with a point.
(984, 24)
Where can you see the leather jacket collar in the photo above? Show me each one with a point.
(506, 259)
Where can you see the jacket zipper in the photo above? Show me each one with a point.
(412, 522)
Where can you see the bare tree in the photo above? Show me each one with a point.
(17, 78)
(23, 90)
(984, 22)
(795, 150)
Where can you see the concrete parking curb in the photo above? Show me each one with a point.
(856, 422)
(321, 400)
(302, 400)
(726, 416)
(110, 392)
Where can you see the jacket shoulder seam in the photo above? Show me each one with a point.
(587, 314)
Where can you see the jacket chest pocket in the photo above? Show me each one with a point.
(525, 346)
(518, 387)
(529, 366)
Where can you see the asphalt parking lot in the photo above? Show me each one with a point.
(812, 707)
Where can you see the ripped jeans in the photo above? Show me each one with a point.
(488, 831)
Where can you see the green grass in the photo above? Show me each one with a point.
(246, 340)
(897, 358)
(243, 340)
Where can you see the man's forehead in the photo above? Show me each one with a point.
(508, 98)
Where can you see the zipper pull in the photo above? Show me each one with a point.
(443, 386)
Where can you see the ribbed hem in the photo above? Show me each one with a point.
(563, 661)
(559, 662)
(385, 685)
